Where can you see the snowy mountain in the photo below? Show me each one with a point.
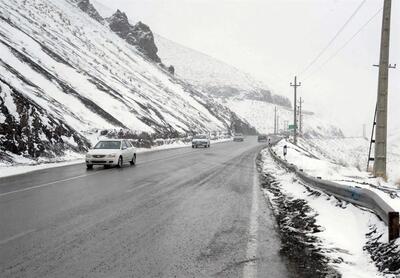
(202, 70)
(66, 74)
(216, 78)
(260, 114)
(247, 97)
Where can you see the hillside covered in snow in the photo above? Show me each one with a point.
(67, 74)
(237, 90)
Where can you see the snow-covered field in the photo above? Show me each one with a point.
(342, 226)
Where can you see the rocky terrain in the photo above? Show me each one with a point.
(67, 74)
(138, 35)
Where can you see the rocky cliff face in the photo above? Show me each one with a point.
(88, 8)
(138, 35)
(66, 78)
(27, 129)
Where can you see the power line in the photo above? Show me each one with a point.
(344, 45)
(333, 39)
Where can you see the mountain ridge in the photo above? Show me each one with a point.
(247, 97)
(81, 78)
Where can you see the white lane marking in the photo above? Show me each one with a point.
(81, 176)
(250, 268)
(4, 241)
(139, 186)
(46, 184)
(77, 177)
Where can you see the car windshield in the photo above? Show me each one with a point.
(200, 137)
(109, 145)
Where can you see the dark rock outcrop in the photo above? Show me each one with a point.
(27, 129)
(171, 69)
(138, 35)
(88, 8)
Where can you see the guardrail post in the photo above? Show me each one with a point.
(393, 225)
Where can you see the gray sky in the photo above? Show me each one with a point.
(275, 39)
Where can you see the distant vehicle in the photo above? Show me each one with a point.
(202, 140)
(262, 138)
(111, 152)
(238, 137)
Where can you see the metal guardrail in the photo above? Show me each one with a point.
(353, 194)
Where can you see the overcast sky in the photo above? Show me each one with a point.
(275, 39)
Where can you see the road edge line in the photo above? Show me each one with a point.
(250, 267)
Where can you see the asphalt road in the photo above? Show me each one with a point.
(177, 213)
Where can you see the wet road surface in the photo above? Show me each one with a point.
(177, 213)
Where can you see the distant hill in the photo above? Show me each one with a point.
(237, 90)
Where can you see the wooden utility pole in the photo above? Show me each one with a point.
(382, 103)
(277, 124)
(295, 85)
(301, 116)
(275, 120)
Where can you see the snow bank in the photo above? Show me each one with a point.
(339, 161)
(342, 227)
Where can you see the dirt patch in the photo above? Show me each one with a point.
(296, 221)
(386, 255)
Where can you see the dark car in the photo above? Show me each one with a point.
(262, 138)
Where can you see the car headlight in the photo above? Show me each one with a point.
(88, 155)
(111, 155)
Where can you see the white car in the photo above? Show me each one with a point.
(111, 152)
(201, 140)
(238, 137)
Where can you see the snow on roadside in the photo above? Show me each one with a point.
(338, 160)
(341, 236)
(27, 165)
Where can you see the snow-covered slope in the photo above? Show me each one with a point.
(200, 69)
(64, 74)
(216, 78)
(260, 114)
(247, 97)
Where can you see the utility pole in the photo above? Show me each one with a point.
(277, 124)
(275, 120)
(301, 116)
(382, 102)
(295, 85)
